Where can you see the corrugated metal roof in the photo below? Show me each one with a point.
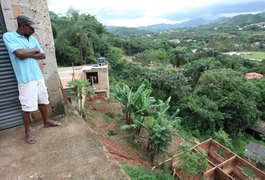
(256, 152)
(259, 126)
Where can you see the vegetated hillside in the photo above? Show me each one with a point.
(191, 23)
(206, 87)
(240, 20)
(125, 31)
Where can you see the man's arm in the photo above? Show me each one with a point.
(29, 53)
(38, 56)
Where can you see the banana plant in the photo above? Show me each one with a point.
(144, 106)
(125, 95)
(160, 128)
(141, 105)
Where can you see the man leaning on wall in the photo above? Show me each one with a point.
(25, 51)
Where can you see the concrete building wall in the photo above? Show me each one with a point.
(38, 11)
(103, 79)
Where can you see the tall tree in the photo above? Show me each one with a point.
(82, 32)
(235, 98)
(179, 56)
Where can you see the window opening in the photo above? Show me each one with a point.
(92, 77)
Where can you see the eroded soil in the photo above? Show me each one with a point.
(105, 117)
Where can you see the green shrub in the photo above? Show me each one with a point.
(249, 172)
(140, 173)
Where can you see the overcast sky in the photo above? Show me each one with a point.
(133, 13)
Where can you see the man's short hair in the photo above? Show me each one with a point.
(23, 19)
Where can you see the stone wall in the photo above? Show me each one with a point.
(38, 11)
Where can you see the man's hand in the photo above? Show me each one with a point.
(35, 50)
(29, 53)
(38, 56)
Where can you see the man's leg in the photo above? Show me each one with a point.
(44, 113)
(42, 103)
(26, 122)
(27, 97)
(46, 121)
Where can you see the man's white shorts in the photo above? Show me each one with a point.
(31, 94)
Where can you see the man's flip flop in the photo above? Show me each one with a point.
(52, 124)
(30, 140)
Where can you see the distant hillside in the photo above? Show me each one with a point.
(192, 23)
(125, 31)
(240, 20)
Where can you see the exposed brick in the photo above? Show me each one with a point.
(17, 10)
(36, 115)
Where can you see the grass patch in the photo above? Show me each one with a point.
(107, 118)
(140, 173)
(135, 144)
(257, 56)
(240, 143)
(249, 172)
(145, 157)
(221, 153)
(112, 132)
(100, 134)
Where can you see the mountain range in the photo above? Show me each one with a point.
(239, 20)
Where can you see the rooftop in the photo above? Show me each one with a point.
(253, 75)
(256, 152)
(259, 127)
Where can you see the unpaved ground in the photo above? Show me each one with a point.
(105, 118)
(70, 151)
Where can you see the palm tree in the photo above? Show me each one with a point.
(179, 56)
(81, 31)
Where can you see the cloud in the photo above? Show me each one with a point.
(147, 7)
(133, 13)
(220, 10)
(142, 21)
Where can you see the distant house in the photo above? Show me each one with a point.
(253, 75)
(257, 130)
(130, 58)
(256, 153)
(96, 74)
